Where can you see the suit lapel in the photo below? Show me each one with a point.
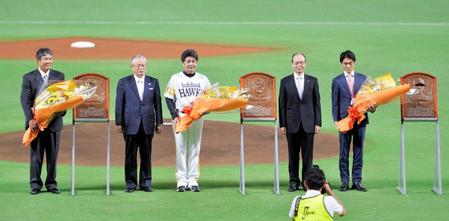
(38, 83)
(358, 82)
(132, 84)
(307, 83)
(52, 77)
(38, 77)
(345, 83)
(292, 86)
(146, 88)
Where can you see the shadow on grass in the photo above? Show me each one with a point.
(118, 186)
(209, 184)
(383, 185)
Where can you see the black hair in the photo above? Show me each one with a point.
(41, 52)
(189, 53)
(315, 178)
(296, 53)
(347, 54)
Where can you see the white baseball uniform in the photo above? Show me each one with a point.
(183, 90)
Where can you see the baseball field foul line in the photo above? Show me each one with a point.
(47, 22)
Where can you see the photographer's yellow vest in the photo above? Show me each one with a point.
(312, 209)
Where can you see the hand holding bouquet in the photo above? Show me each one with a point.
(373, 93)
(53, 99)
(217, 98)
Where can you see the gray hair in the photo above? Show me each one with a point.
(41, 52)
(299, 53)
(138, 56)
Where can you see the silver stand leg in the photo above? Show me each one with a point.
(437, 184)
(402, 186)
(276, 159)
(73, 159)
(242, 161)
(108, 157)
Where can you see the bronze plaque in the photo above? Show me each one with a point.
(421, 102)
(262, 101)
(97, 106)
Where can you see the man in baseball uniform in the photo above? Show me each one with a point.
(182, 90)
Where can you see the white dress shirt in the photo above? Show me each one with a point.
(299, 81)
(140, 85)
(44, 75)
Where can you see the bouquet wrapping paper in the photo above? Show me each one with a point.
(223, 98)
(375, 92)
(56, 98)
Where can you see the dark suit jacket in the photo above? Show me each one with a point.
(294, 111)
(341, 96)
(130, 111)
(31, 86)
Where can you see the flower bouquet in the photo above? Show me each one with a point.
(55, 98)
(217, 98)
(375, 92)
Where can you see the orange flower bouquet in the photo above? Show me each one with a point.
(375, 92)
(217, 98)
(55, 98)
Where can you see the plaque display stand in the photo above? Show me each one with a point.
(276, 156)
(437, 184)
(262, 104)
(93, 110)
(420, 105)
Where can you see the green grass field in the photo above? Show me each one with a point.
(388, 36)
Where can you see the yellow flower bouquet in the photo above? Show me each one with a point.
(55, 98)
(378, 91)
(217, 98)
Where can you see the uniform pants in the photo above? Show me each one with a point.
(188, 145)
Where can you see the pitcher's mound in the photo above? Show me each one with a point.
(220, 145)
(109, 48)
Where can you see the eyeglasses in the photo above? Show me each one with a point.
(139, 65)
(299, 62)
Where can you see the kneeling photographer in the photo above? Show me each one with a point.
(314, 205)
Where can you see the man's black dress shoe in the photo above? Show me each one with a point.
(54, 190)
(344, 187)
(181, 189)
(130, 189)
(34, 191)
(292, 187)
(195, 188)
(146, 189)
(358, 186)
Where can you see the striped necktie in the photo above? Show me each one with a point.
(350, 80)
(45, 78)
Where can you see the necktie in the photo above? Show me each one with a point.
(350, 81)
(300, 87)
(45, 78)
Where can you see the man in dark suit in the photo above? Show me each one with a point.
(138, 113)
(48, 140)
(299, 117)
(344, 88)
